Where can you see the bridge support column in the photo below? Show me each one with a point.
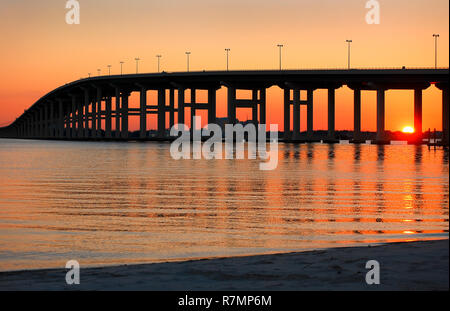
(180, 109)
(143, 114)
(94, 117)
(310, 115)
(255, 107)
(108, 124)
(171, 108)
(99, 113)
(80, 115)
(380, 115)
(262, 107)
(445, 112)
(296, 115)
(60, 119)
(331, 113)
(418, 115)
(231, 105)
(211, 106)
(52, 120)
(193, 110)
(357, 115)
(161, 113)
(73, 130)
(287, 114)
(117, 112)
(124, 116)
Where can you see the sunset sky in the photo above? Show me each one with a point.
(40, 52)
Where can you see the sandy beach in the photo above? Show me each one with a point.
(403, 266)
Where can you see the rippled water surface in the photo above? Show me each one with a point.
(108, 203)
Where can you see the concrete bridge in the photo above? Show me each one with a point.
(76, 110)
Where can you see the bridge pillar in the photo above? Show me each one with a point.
(181, 106)
(52, 120)
(287, 114)
(143, 113)
(296, 115)
(231, 105)
(357, 115)
(418, 115)
(60, 119)
(171, 108)
(255, 107)
(99, 113)
(73, 130)
(94, 117)
(108, 124)
(445, 112)
(380, 115)
(193, 110)
(117, 112)
(80, 124)
(262, 106)
(310, 114)
(212, 106)
(124, 115)
(331, 113)
(162, 113)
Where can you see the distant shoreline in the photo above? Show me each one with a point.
(403, 266)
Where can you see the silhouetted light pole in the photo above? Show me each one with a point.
(187, 54)
(436, 36)
(121, 64)
(89, 74)
(349, 43)
(109, 70)
(227, 50)
(137, 59)
(99, 71)
(280, 46)
(159, 57)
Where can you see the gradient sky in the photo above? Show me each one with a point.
(40, 52)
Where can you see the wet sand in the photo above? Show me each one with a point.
(403, 266)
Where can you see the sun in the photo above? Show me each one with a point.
(408, 129)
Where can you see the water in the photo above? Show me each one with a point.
(105, 203)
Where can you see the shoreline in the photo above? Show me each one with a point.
(422, 265)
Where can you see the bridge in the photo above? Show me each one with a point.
(84, 109)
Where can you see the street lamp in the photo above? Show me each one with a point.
(280, 46)
(137, 59)
(109, 70)
(227, 50)
(89, 74)
(436, 36)
(349, 43)
(159, 57)
(99, 71)
(187, 54)
(121, 64)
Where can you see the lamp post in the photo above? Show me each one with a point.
(159, 57)
(89, 74)
(436, 36)
(109, 70)
(349, 43)
(137, 59)
(280, 46)
(188, 54)
(99, 71)
(228, 51)
(121, 64)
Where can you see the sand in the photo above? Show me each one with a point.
(403, 266)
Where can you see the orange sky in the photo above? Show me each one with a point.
(40, 51)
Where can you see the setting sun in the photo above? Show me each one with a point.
(408, 129)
